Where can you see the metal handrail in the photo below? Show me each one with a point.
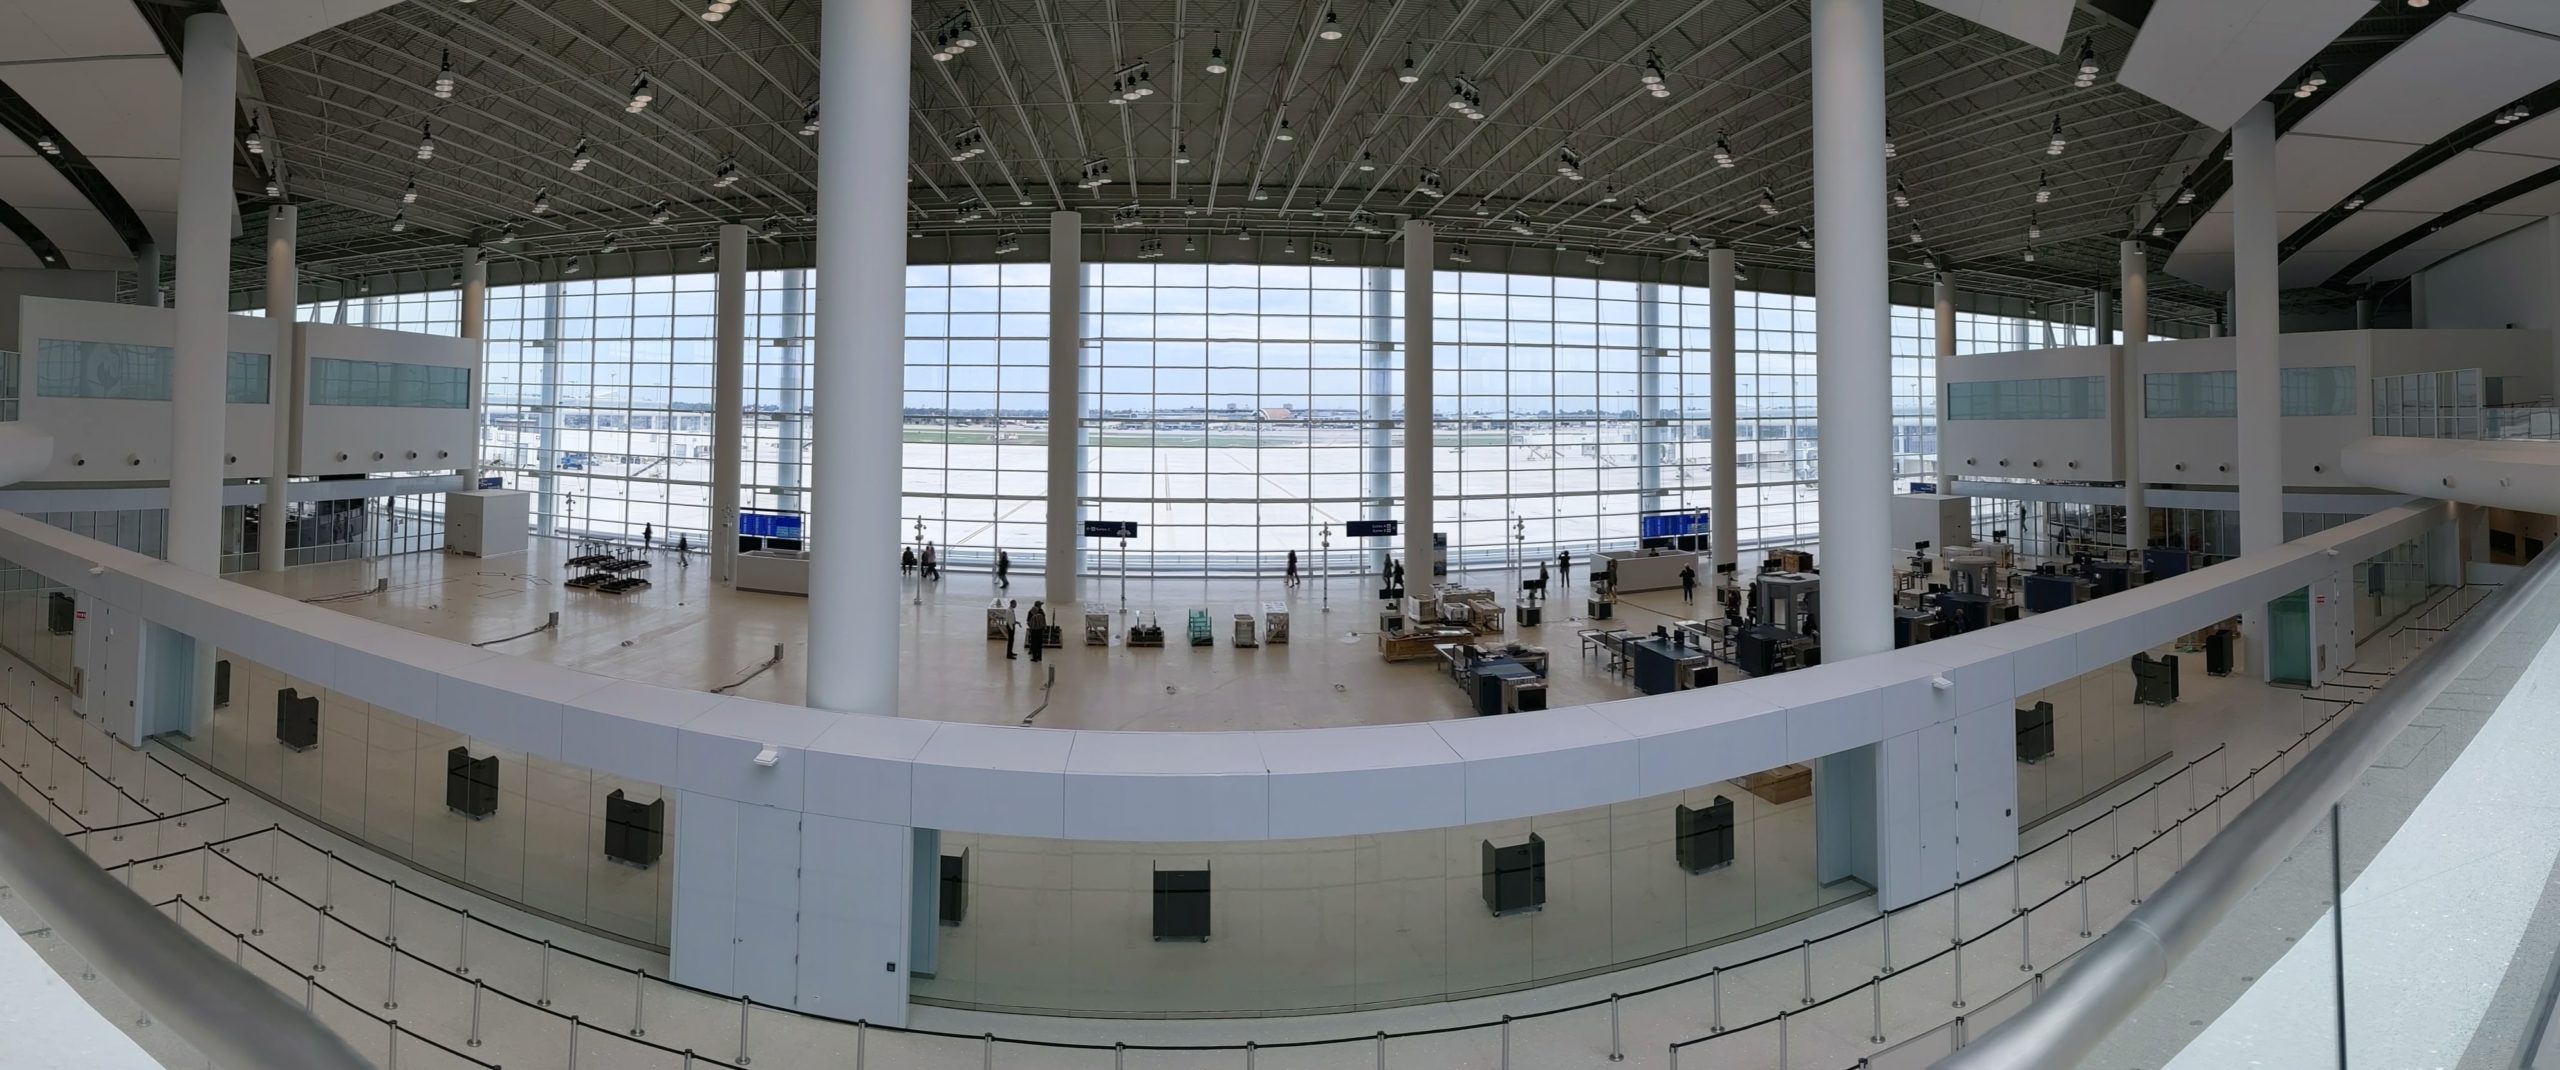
(2118, 972)
(175, 976)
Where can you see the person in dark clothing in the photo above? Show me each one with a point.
(1011, 627)
(1038, 619)
(932, 569)
(1689, 583)
(1564, 566)
(1292, 578)
(907, 561)
(646, 533)
(1398, 582)
(1004, 569)
(684, 551)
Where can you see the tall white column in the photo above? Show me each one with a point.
(1416, 530)
(1653, 396)
(2253, 267)
(1946, 309)
(860, 354)
(146, 276)
(474, 326)
(2137, 329)
(1852, 325)
(1853, 337)
(2102, 318)
(284, 280)
(728, 400)
(1724, 473)
(197, 370)
(1064, 546)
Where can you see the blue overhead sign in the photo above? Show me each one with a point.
(769, 525)
(1669, 525)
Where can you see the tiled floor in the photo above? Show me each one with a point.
(686, 631)
(2252, 720)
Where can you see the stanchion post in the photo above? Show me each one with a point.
(1888, 941)
(478, 988)
(391, 982)
(1505, 1050)
(1876, 989)
(573, 1046)
(258, 921)
(639, 988)
(1782, 1039)
(543, 998)
(328, 881)
(1617, 1047)
(2084, 907)
(1804, 958)
(1382, 1049)
(1715, 997)
(744, 1004)
(1958, 1001)
(319, 941)
(463, 966)
(2026, 948)
(204, 874)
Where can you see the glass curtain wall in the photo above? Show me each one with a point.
(1237, 411)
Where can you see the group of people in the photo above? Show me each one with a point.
(1037, 620)
(910, 562)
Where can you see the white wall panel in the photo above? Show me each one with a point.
(856, 892)
(110, 440)
(768, 905)
(703, 950)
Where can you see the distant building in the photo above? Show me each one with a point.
(1279, 412)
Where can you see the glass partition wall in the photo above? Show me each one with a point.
(1237, 411)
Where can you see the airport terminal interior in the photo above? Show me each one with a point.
(1302, 534)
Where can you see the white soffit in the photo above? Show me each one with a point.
(150, 186)
(2313, 173)
(2313, 268)
(2213, 59)
(30, 184)
(40, 31)
(2367, 229)
(2042, 23)
(267, 25)
(2203, 257)
(2544, 201)
(2540, 16)
(2454, 71)
(2461, 234)
(2458, 181)
(108, 107)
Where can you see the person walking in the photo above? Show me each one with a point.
(646, 533)
(907, 561)
(932, 569)
(1292, 578)
(1004, 570)
(1564, 567)
(684, 550)
(1012, 626)
(1689, 583)
(1038, 619)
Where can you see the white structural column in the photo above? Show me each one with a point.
(1064, 546)
(146, 277)
(1724, 474)
(1946, 308)
(283, 283)
(1416, 531)
(210, 88)
(861, 347)
(475, 327)
(809, 910)
(1853, 328)
(1853, 344)
(1653, 429)
(2128, 402)
(728, 400)
(2102, 318)
(2254, 287)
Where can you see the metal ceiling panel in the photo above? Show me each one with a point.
(2540, 16)
(107, 107)
(51, 30)
(267, 25)
(2455, 237)
(2453, 72)
(2534, 137)
(2042, 23)
(2458, 181)
(2212, 59)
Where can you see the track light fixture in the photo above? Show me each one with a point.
(1365, 221)
(255, 140)
(727, 174)
(659, 213)
(968, 145)
(442, 87)
(2088, 73)
(399, 221)
(2044, 189)
(972, 212)
(1804, 236)
(716, 10)
(1520, 223)
(771, 229)
(579, 157)
(958, 34)
(409, 193)
(1008, 242)
(1151, 249)
(2312, 81)
(1901, 194)
(507, 236)
(1125, 217)
(641, 94)
(1768, 202)
(1568, 164)
(708, 252)
(809, 120)
(1460, 254)
(2034, 229)
(612, 241)
(2353, 203)
(1593, 258)
(1131, 83)
(1428, 184)
(1639, 214)
(2186, 195)
(2515, 113)
(426, 142)
(1889, 150)
(45, 144)
(1320, 251)
(572, 267)
(542, 201)
(1652, 79)
(1332, 29)
(2054, 146)
(1097, 174)
(2159, 229)
(2031, 254)
(1722, 152)
(1465, 99)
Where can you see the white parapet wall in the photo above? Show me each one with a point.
(370, 401)
(96, 376)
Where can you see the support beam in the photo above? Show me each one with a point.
(1064, 556)
(1724, 480)
(862, 243)
(1417, 404)
(209, 93)
(283, 283)
(2135, 264)
(728, 399)
(474, 325)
